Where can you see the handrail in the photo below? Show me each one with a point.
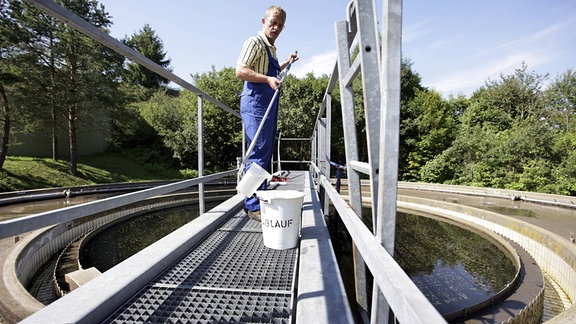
(16, 226)
(278, 161)
(408, 302)
(379, 73)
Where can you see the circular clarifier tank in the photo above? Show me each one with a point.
(457, 268)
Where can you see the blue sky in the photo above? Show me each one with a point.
(455, 46)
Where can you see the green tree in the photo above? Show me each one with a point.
(28, 58)
(129, 128)
(299, 104)
(73, 78)
(410, 84)
(7, 76)
(458, 163)
(174, 119)
(6, 125)
(560, 98)
(147, 43)
(563, 180)
(504, 140)
(513, 97)
(222, 130)
(434, 130)
(90, 72)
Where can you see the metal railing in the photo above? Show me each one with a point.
(278, 162)
(380, 76)
(25, 224)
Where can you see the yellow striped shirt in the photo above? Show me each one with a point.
(254, 55)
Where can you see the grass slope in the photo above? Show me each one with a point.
(24, 173)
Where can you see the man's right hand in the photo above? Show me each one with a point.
(247, 74)
(273, 82)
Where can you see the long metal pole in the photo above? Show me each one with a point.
(200, 123)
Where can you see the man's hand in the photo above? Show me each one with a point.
(293, 57)
(247, 74)
(274, 82)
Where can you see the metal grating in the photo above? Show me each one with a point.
(184, 305)
(233, 260)
(229, 277)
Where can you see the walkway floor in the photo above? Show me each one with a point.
(230, 277)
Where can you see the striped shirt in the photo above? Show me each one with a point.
(254, 55)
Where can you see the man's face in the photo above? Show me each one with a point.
(273, 25)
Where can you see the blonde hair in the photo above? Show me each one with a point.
(276, 10)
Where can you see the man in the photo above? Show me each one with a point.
(259, 68)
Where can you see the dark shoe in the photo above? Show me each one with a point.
(255, 215)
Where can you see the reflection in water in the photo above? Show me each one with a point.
(119, 242)
(453, 267)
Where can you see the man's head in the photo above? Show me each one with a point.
(273, 23)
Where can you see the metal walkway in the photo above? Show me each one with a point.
(225, 274)
(229, 277)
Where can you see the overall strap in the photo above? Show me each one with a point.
(271, 59)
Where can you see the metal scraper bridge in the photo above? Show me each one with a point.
(215, 268)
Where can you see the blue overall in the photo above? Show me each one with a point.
(254, 100)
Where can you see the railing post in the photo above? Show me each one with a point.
(313, 152)
(390, 135)
(201, 153)
(368, 51)
(351, 144)
(390, 121)
(279, 166)
(323, 153)
(328, 144)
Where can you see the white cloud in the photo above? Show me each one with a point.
(317, 64)
(470, 79)
(536, 50)
(543, 41)
(445, 42)
(414, 32)
(539, 37)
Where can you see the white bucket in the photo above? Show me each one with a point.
(252, 180)
(280, 211)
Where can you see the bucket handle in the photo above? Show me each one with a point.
(268, 201)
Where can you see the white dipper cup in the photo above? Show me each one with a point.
(252, 180)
